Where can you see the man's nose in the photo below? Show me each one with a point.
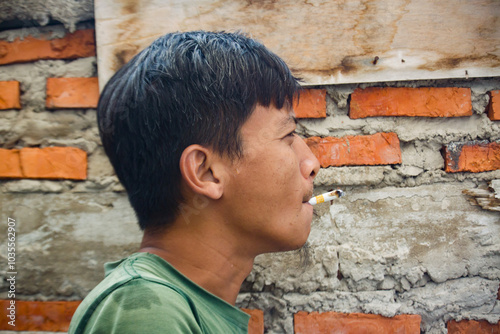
(309, 164)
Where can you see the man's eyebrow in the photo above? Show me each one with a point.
(285, 122)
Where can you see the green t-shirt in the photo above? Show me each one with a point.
(145, 294)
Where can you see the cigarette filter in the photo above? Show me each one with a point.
(326, 197)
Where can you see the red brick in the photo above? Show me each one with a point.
(494, 105)
(475, 157)
(10, 165)
(311, 104)
(427, 102)
(54, 163)
(72, 93)
(54, 316)
(377, 149)
(46, 163)
(10, 95)
(79, 44)
(256, 323)
(473, 327)
(355, 323)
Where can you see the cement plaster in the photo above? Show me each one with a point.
(34, 12)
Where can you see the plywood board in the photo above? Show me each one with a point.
(323, 41)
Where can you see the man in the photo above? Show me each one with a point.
(200, 129)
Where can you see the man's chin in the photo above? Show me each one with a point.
(297, 245)
(301, 244)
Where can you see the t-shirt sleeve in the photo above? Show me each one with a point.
(143, 307)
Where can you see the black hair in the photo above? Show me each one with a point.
(185, 88)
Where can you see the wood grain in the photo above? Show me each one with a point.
(323, 41)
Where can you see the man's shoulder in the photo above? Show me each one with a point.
(146, 293)
(128, 302)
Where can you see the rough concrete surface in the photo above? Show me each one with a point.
(30, 12)
(435, 303)
(390, 251)
(64, 239)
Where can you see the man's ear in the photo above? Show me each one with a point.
(200, 171)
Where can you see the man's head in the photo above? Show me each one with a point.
(184, 89)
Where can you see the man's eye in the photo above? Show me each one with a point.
(291, 134)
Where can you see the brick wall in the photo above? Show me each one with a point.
(405, 251)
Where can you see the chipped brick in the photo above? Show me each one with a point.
(79, 44)
(54, 316)
(10, 95)
(376, 149)
(72, 93)
(354, 323)
(46, 163)
(311, 104)
(474, 156)
(427, 102)
(472, 327)
(10, 165)
(494, 105)
(256, 322)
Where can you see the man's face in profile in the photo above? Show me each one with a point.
(271, 184)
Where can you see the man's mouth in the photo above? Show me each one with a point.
(307, 196)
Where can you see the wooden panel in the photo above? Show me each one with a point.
(323, 41)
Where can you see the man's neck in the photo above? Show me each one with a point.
(213, 262)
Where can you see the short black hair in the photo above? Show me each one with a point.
(185, 88)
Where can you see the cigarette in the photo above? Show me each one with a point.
(326, 197)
